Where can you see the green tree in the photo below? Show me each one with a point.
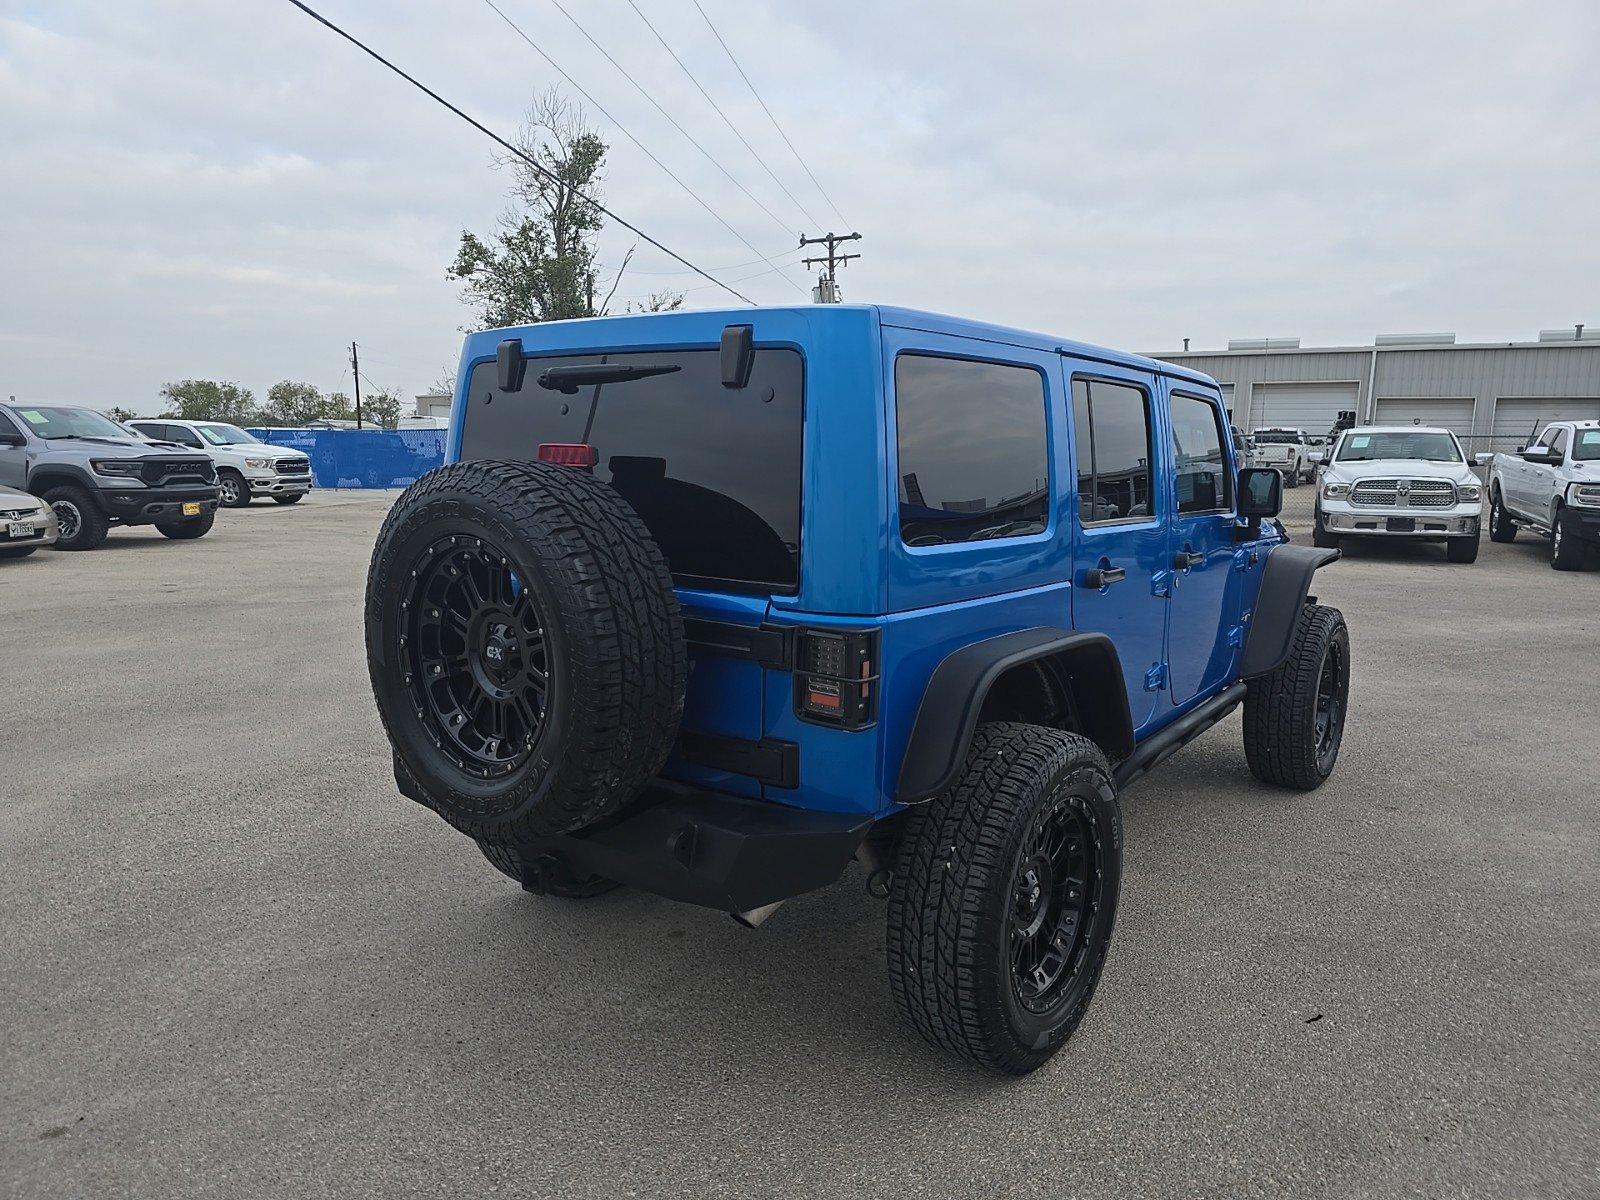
(541, 264)
(208, 400)
(382, 407)
(117, 413)
(293, 404)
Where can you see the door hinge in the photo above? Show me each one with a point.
(1155, 679)
(1236, 636)
(1243, 560)
(1161, 584)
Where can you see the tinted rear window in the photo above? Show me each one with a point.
(713, 472)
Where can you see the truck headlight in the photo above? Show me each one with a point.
(1335, 491)
(125, 468)
(1584, 495)
(1467, 493)
(258, 464)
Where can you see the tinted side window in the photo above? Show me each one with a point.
(1559, 442)
(185, 436)
(973, 451)
(1200, 468)
(1114, 429)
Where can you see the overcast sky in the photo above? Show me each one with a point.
(226, 190)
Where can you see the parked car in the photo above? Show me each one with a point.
(1285, 449)
(26, 523)
(784, 587)
(95, 474)
(1553, 488)
(246, 466)
(1403, 481)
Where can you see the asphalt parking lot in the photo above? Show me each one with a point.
(235, 962)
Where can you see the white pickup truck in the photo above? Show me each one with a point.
(1551, 486)
(1288, 450)
(246, 466)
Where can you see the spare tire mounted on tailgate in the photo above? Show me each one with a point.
(525, 647)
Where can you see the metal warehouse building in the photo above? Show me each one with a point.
(1495, 396)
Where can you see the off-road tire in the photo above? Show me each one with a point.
(234, 490)
(951, 897)
(550, 879)
(92, 525)
(1501, 527)
(1282, 742)
(1463, 549)
(1566, 546)
(293, 498)
(16, 551)
(187, 529)
(611, 627)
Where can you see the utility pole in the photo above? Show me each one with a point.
(355, 373)
(827, 289)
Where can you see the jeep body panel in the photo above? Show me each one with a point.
(1177, 631)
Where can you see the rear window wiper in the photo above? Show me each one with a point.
(569, 379)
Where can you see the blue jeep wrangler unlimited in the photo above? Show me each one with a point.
(711, 603)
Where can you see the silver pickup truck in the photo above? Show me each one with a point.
(1551, 486)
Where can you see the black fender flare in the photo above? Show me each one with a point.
(948, 714)
(1285, 583)
(50, 475)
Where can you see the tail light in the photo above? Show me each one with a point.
(836, 678)
(569, 454)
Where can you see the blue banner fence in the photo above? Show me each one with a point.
(363, 458)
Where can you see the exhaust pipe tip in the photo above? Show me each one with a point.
(754, 918)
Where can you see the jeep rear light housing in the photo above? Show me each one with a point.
(569, 454)
(836, 677)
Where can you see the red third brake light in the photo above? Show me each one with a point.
(568, 454)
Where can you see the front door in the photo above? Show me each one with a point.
(13, 453)
(1121, 553)
(1199, 653)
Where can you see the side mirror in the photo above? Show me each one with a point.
(1483, 458)
(12, 439)
(1260, 492)
(1538, 454)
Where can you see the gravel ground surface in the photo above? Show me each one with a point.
(235, 962)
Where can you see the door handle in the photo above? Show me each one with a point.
(1099, 577)
(1185, 559)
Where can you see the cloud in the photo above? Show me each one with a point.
(209, 190)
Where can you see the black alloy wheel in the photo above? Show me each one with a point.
(476, 657)
(1055, 901)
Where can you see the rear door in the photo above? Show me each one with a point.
(1121, 552)
(1198, 650)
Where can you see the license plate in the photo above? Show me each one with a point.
(191, 508)
(21, 529)
(1402, 524)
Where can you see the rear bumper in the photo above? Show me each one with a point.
(706, 848)
(145, 505)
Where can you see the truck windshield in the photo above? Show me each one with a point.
(1587, 446)
(227, 435)
(69, 423)
(1427, 447)
(713, 472)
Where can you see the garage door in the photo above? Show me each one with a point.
(1310, 406)
(1454, 415)
(1517, 422)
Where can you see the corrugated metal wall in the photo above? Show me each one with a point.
(1486, 373)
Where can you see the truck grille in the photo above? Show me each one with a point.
(294, 466)
(161, 471)
(1404, 493)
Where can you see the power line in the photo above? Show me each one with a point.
(527, 158)
(643, 91)
(626, 132)
(768, 111)
(793, 260)
(725, 119)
